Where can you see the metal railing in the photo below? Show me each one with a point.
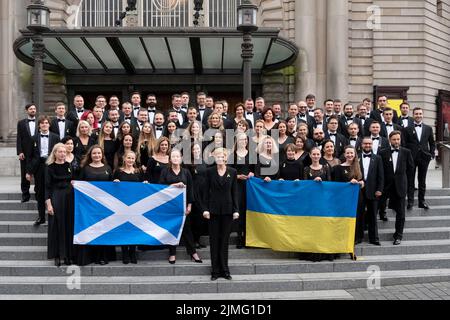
(444, 152)
(158, 13)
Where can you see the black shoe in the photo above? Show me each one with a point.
(25, 198)
(214, 278)
(196, 260)
(133, 258)
(397, 242)
(409, 206)
(424, 206)
(172, 261)
(67, 262)
(227, 276)
(102, 263)
(375, 243)
(39, 221)
(58, 262)
(125, 261)
(384, 218)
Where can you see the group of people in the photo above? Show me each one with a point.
(212, 151)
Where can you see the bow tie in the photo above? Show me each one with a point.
(367, 155)
(373, 138)
(159, 129)
(127, 118)
(136, 108)
(319, 123)
(353, 139)
(44, 135)
(389, 125)
(201, 109)
(141, 123)
(395, 150)
(116, 127)
(349, 119)
(249, 113)
(31, 120)
(405, 118)
(417, 125)
(302, 115)
(153, 111)
(332, 134)
(80, 110)
(61, 120)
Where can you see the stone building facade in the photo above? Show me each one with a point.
(346, 48)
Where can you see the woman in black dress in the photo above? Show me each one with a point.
(58, 200)
(158, 161)
(84, 140)
(301, 154)
(146, 144)
(303, 131)
(124, 129)
(291, 126)
(180, 177)
(125, 146)
(107, 141)
(129, 172)
(283, 139)
(198, 172)
(170, 133)
(267, 166)
(269, 119)
(95, 168)
(220, 207)
(70, 157)
(329, 154)
(239, 111)
(291, 169)
(245, 170)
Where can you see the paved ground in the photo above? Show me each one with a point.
(427, 291)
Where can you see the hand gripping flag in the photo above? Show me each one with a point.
(301, 216)
(127, 213)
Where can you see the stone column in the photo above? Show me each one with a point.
(337, 49)
(306, 40)
(321, 88)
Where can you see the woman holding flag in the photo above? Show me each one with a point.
(220, 207)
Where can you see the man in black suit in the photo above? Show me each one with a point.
(42, 148)
(340, 142)
(151, 103)
(353, 137)
(376, 114)
(77, 111)
(250, 114)
(364, 119)
(203, 111)
(136, 103)
(398, 167)
(176, 106)
(419, 139)
(379, 142)
(405, 120)
(328, 107)
(26, 130)
(373, 173)
(127, 113)
(348, 118)
(60, 125)
(158, 126)
(388, 125)
(319, 121)
(303, 114)
(218, 108)
(139, 122)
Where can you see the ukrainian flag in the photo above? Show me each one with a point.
(301, 216)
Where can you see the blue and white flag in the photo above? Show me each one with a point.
(127, 213)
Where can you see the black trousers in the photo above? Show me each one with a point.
(187, 237)
(397, 204)
(39, 182)
(24, 183)
(421, 166)
(198, 223)
(219, 236)
(371, 217)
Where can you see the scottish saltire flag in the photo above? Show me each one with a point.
(301, 216)
(126, 213)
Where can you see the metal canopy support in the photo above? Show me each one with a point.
(121, 54)
(196, 50)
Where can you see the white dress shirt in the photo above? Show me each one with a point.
(32, 126)
(366, 166)
(394, 160)
(389, 128)
(418, 130)
(158, 133)
(136, 110)
(62, 128)
(44, 145)
(332, 138)
(151, 115)
(405, 122)
(376, 144)
(249, 117)
(353, 142)
(80, 113)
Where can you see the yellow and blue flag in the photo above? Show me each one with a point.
(301, 216)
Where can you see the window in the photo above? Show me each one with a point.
(439, 8)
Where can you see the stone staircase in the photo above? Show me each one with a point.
(423, 256)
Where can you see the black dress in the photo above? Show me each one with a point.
(291, 170)
(144, 157)
(243, 167)
(110, 150)
(58, 189)
(80, 149)
(282, 147)
(198, 223)
(168, 177)
(75, 167)
(87, 254)
(154, 169)
(128, 252)
(305, 159)
(267, 167)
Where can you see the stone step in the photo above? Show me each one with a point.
(418, 222)
(18, 215)
(17, 205)
(282, 295)
(202, 284)
(237, 266)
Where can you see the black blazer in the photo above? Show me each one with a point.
(384, 144)
(341, 143)
(33, 162)
(220, 195)
(309, 120)
(69, 127)
(184, 115)
(425, 148)
(410, 122)
(206, 114)
(25, 142)
(365, 126)
(404, 171)
(384, 131)
(376, 114)
(72, 115)
(375, 177)
(343, 126)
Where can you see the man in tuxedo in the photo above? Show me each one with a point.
(260, 105)
(100, 116)
(218, 108)
(77, 112)
(311, 102)
(114, 103)
(192, 115)
(43, 144)
(387, 126)
(373, 173)
(303, 114)
(127, 113)
(319, 121)
(250, 113)
(340, 141)
(318, 137)
(26, 131)
(203, 111)
(353, 137)
(158, 126)
(276, 107)
(364, 119)
(398, 167)
(405, 120)
(114, 118)
(337, 107)
(185, 101)
(328, 108)
(136, 103)
(209, 102)
(176, 106)
(379, 142)
(377, 113)
(348, 118)
(151, 107)
(60, 125)
(420, 140)
(138, 123)
(100, 102)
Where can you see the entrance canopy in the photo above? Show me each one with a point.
(156, 51)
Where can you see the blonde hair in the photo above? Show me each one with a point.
(220, 118)
(52, 157)
(102, 134)
(158, 145)
(83, 122)
(221, 150)
(187, 133)
(261, 145)
(136, 170)
(151, 141)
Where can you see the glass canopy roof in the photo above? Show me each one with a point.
(156, 51)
